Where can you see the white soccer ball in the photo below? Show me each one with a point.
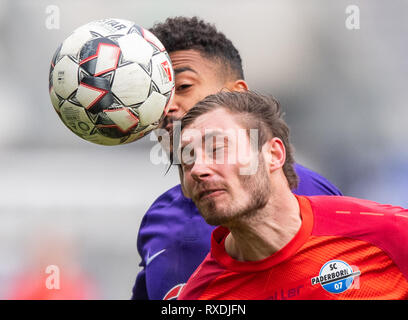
(111, 81)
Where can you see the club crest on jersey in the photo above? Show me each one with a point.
(337, 276)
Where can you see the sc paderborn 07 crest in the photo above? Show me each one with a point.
(336, 276)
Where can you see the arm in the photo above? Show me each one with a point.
(173, 239)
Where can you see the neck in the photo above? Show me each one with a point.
(266, 231)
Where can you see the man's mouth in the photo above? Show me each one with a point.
(206, 194)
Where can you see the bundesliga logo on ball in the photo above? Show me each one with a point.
(111, 82)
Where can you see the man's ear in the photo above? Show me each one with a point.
(237, 85)
(275, 154)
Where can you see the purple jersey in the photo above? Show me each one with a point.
(174, 239)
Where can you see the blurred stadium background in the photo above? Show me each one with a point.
(66, 202)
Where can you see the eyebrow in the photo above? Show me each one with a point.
(183, 69)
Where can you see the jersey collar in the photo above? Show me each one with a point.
(220, 233)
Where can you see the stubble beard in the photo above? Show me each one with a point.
(225, 211)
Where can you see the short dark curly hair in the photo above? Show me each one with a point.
(182, 33)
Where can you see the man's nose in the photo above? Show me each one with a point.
(200, 172)
(174, 109)
(200, 169)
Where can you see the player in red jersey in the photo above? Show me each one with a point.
(270, 243)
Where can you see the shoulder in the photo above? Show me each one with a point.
(311, 183)
(165, 217)
(384, 226)
(354, 206)
(174, 194)
(173, 199)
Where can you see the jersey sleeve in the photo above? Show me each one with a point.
(384, 226)
(401, 229)
(173, 239)
(139, 291)
(313, 184)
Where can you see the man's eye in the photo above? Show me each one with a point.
(216, 148)
(187, 158)
(183, 87)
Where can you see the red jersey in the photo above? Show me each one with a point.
(346, 248)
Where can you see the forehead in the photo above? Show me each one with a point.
(193, 61)
(218, 120)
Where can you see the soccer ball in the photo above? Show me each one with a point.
(111, 82)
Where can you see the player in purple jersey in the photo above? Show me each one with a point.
(173, 237)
